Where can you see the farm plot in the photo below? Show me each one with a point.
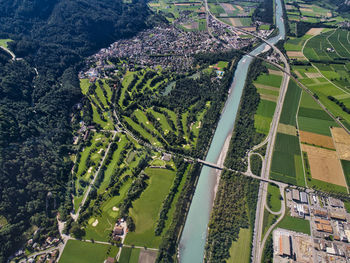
(316, 139)
(129, 255)
(86, 252)
(311, 118)
(263, 116)
(286, 160)
(324, 165)
(290, 105)
(342, 143)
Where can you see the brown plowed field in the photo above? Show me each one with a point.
(324, 165)
(342, 143)
(317, 139)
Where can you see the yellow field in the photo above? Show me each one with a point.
(324, 165)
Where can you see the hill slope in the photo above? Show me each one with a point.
(52, 36)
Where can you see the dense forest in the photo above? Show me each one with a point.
(38, 93)
(264, 12)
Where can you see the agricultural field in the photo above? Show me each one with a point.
(311, 12)
(87, 252)
(328, 74)
(268, 88)
(286, 161)
(129, 255)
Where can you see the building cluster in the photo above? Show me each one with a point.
(329, 240)
(119, 230)
(168, 47)
(223, 32)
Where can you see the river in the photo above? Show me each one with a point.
(194, 234)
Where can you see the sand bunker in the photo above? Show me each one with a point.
(115, 208)
(94, 224)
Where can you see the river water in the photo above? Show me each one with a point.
(194, 234)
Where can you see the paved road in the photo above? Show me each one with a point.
(76, 216)
(9, 51)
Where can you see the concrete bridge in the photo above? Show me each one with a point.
(216, 166)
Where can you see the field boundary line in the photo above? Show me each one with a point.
(339, 159)
(331, 43)
(342, 44)
(298, 130)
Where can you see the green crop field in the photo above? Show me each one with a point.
(239, 251)
(290, 105)
(86, 252)
(263, 116)
(295, 224)
(146, 209)
(346, 168)
(274, 198)
(129, 255)
(312, 118)
(316, 125)
(269, 80)
(286, 161)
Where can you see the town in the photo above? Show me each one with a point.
(167, 47)
(329, 230)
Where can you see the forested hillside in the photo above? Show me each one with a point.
(52, 36)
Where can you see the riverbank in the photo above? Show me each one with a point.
(220, 162)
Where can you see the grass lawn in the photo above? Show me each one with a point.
(240, 249)
(3, 42)
(112, 165)
(274, 197)
(163, 121)
(142, 131)
(84, 85)
(326, 187)
(101, 96)
(86, 252)
(269, 220)
(146, 209)
(107, 218)
(129, 255)
(184, 124)
(295, 224)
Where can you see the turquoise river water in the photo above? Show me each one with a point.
(194, 234)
